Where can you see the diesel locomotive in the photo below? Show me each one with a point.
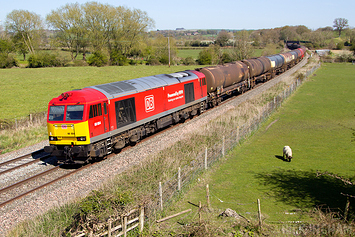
(89, 123)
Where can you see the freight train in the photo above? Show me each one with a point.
(88, 124)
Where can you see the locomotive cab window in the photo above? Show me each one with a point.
(74, 112)
(56, 113)
(95, 110)
(105, 108)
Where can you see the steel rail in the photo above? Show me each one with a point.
(43, 185)
(23, 165)
(28, 179)
(20, 157)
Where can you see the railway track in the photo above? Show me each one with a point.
(28, 173)
(34, 183)
(22, 161)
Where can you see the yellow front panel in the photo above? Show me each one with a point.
(67, 133)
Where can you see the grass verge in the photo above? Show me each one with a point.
(317, 122)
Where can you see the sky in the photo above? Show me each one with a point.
(216, 14)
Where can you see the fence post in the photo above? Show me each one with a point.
(206, 158)
(141, 219)
(160, 196)
(259, 213)
(109, 227)
(223, 143)
(125, 226)
(237, 135)
(199, 211)
(179, 179)
(208, 196)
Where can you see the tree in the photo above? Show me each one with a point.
(98, 22)
(222, 38)
(68, 21)
(243, 48)
(210, 56)
(127, 32)
(340, 24)
(161, 49)
(25, 27)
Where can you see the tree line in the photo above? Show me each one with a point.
(106, 35)
(102, 29)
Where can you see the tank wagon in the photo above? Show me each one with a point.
(89, 123)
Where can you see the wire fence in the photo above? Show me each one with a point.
(171, 189)
(39, 118)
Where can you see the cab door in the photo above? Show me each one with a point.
(106, 117)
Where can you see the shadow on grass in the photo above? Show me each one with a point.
(281, 158)
(303, 189)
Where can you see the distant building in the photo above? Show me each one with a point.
(180, 28)
(322, 52)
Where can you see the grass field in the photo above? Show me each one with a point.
(317, 122)
(25, 91)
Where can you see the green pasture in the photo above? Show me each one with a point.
(318, 123)
(25, 90)
(184, 53)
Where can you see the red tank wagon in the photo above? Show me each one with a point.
(89, 123)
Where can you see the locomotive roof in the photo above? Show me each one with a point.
(122, 88)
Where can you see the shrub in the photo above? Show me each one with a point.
(136, 62)
(340, 46)
(153, 61)
(188, 61)
(205, 57)
(227, 58)
(44, 59)
(164, 59)
(7, 61)
(79, 63)
(117, 58)
(97, 59)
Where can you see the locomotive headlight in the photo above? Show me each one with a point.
(53, 138)
(81, 139)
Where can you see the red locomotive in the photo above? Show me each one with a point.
(88, 123)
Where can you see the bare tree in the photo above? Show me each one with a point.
(340, 24)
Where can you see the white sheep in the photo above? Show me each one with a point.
(288, 153)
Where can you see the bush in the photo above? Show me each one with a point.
(97, 59)
(340, 46)
(7, 61)
(188, 61)
(117, 58)
(153, 61)
(205, 57)
(44, 59)
(226, 58)
(79, 63)
(136, 62)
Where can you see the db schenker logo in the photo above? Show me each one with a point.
(149, 103)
